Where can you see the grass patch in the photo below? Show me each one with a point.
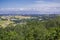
(4, 23)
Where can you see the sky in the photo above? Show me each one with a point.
(41, 5)
(28, 3)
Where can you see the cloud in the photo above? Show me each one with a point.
(50, 0)
(44, 6)
(14, 9)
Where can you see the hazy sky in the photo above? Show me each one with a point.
(40, 5)
(28, 3)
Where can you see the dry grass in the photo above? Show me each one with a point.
(5, 23)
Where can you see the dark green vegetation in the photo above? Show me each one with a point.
(32, 30)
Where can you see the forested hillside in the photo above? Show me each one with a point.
(32, 30)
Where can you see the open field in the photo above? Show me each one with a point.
(4, 23)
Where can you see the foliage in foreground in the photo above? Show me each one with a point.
(33, 30)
